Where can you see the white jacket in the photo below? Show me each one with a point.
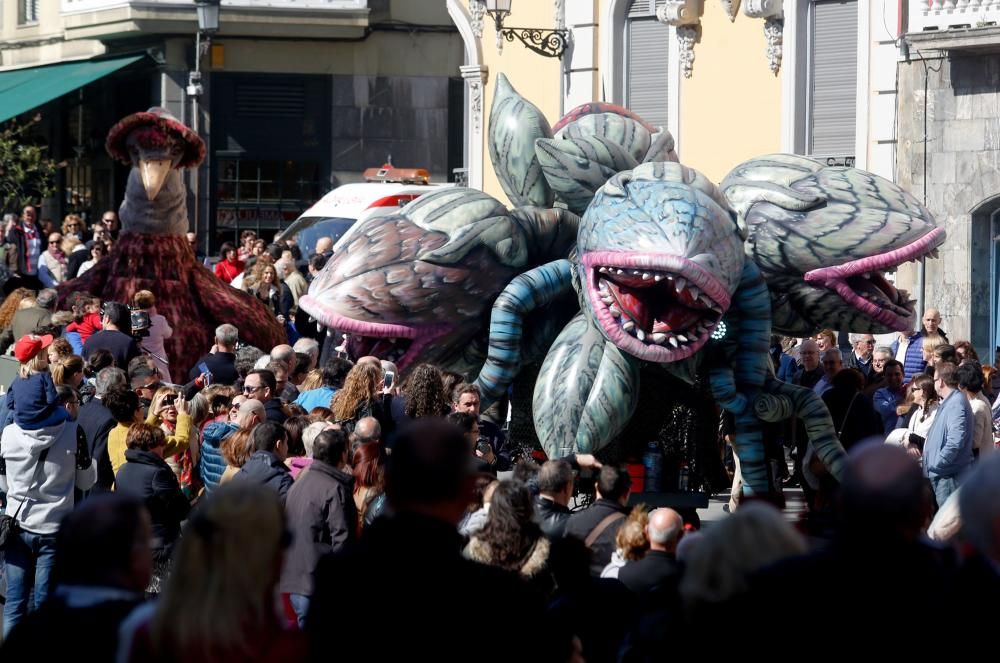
(47, 494)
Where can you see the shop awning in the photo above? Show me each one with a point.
(24, 89)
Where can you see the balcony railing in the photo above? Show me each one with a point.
(76, 6)
(927, 15)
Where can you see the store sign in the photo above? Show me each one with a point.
(228, 217)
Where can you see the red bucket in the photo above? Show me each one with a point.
(637, 472)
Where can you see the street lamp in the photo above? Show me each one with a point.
(208, 25)
(550, 43)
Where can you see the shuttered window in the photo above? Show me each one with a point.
(647, 62)
(833, 77)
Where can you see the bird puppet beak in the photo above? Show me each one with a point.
(154, 174)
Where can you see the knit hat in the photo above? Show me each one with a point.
(28, 346)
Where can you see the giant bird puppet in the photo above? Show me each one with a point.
(152, 252)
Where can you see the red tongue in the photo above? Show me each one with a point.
(676, 319)
(633, 307)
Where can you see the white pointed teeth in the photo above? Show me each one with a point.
(603, 270)
(646, 276)
(682, 338)
(641, 335)
(628, 325)
(615, 311)
(673, 341)
(679, 283)
(658, 337)
(658, 277)
(608, 300)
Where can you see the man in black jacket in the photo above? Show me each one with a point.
(26, 235)
(555, 488)
(261, 385)
(102, 566)
(658, 569)
(267, 464)
(115, 317)
(597, 525)
(221, 361)
(96, 421)
(321, 516)
(417, 552)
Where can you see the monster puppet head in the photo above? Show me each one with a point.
(824, 238)
(660, 259)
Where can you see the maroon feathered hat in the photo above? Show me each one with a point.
(194, 146)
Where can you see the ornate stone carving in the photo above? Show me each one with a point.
(477, 10)
(772, 11)
(687, 35)
(773, 29)
(731, 7)
(560, 14)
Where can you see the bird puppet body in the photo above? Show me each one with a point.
(153, 254)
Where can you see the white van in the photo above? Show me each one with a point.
(384, 192)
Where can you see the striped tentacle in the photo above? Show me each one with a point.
(737, 384)
(785, 399)
(527, 292)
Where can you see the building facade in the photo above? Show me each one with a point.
(949, 155)
(296, 96)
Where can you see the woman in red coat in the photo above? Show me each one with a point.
(230, 266)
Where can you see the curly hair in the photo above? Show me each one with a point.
(510, 531)
(61, 349)
(11, 304)
(424, 391)
(361, 386)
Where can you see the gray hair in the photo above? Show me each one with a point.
(227, 335)
(667, 534)
(310, 433)
(830, 353)
(47, 298)
(108, 379)
(308, 346)
(368, 429)
(884, 350)
(979, 506)
(198, 408)
(857, 338)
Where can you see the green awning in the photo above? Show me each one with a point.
(24, 89)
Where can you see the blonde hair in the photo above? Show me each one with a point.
(630, 541)
(314, 380)
(158, 396)
(931, 343)
(731, 550)
(144, 299)
(69, 242)
(65, 367)
(224, 574)
(37, 364)
(361, 384)
(71, 218)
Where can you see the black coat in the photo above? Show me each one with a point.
(147, 477)
(96, 421)
(581, 524)
(265, 468)
(222, 365)
(551, 517)
(413, 556)
(657, 570)
(273, 411)
(121, 346)
(322, 518)
(65, 633)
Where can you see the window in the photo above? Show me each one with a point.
(647, 63)
(27, 12)
(831, 109)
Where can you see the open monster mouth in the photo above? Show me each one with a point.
(862, 283)
(398, 343)
(656, 307)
